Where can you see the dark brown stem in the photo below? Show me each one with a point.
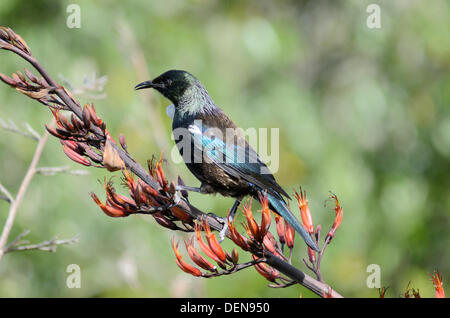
(235, 268)
(300, 277)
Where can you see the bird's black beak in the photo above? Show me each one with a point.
(147, 84)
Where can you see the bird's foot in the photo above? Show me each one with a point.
(223, 232)
(223, 221)
(229, 219)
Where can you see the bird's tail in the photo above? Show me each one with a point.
(281, 208)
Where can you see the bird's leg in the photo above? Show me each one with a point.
(203, 189)
(190, 189)
(231, 216)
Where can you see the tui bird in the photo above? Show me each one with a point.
(229, 167)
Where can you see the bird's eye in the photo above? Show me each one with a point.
(168, 82)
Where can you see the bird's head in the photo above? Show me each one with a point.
(176, 85)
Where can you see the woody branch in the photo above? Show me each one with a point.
(85, 140)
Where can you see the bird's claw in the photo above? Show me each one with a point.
(223, 221)
(223, 232)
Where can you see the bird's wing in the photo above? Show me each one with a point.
(237, 159)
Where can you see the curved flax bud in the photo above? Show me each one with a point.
(197, 258)
(213, 243)
(205, 248)
(31, 76)
(311, 255)
(163, 221)
(109, 210)
(271, 244)
(185, 267)
(54, 132)
(266, 271)
(235, 256)
(76, 156)
(122, 141)
(181, 215)
(7, 80)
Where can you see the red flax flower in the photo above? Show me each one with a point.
(109, 210)
(270, 243)
(266, 218)
(411, 292)
(157, 172)
(129, 181)
(304, 211)
(266, 271)
(311, 255)
(137, 190)
(252, 226)
(235, 236)
(337, 220)
(290, 234)
(160, 176)
(119, 201)
(382, 291)
(280, 229)
(61, 121)
(205, 248)
(213, 243)
(150, 195)
(185, 267)
(437, 282)
(197, 258)
(181, 215)
(163, 221)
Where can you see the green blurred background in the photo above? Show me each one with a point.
(362, 112)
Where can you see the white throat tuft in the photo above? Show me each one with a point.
(170, 111)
